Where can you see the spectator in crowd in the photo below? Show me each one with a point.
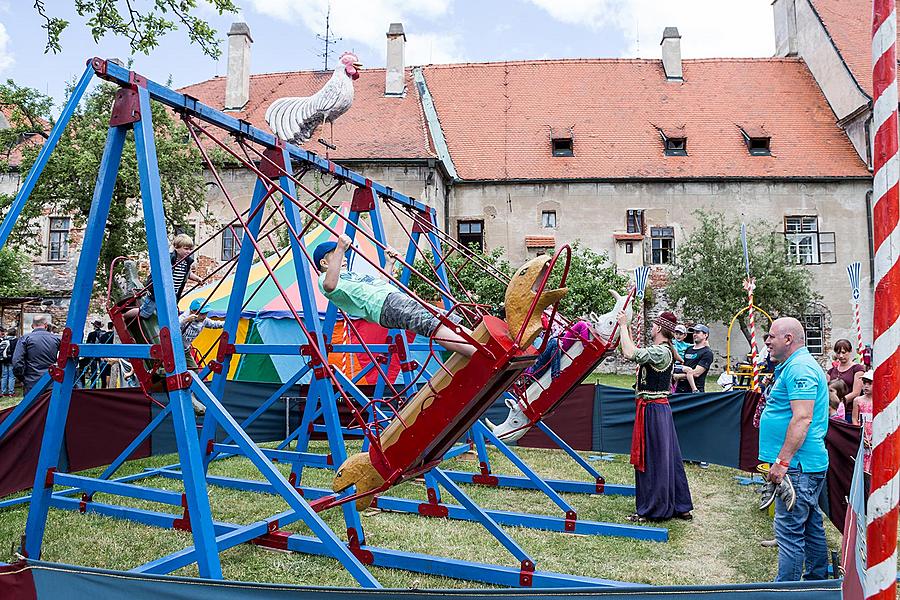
(7, 347)
(681, 345)
(862, 415)
(837, 391)
(192, 322)
(94, 367)
(846, 370)
(108, 337)
(34, 353)
(697, 361)
(792, 439)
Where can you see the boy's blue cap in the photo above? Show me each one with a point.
(197, 304)
(321, 250)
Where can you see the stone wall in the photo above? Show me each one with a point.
(593, 212)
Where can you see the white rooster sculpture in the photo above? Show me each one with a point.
(296, 119)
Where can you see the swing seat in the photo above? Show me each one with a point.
(544, 394)
(439, 414)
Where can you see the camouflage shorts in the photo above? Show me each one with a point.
(402, 312)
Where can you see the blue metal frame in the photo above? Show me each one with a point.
(195, 452)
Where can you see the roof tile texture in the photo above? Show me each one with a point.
(497, 118)
(375, 127)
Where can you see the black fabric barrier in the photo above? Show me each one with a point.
(54, 581)
(708, 425)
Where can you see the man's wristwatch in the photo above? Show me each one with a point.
(780, 461)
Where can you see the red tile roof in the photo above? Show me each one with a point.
(849, 23)
(374, 127)
(628, 237)
(540, 241)
(497, 118)
(13, 155)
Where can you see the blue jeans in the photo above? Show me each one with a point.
(800, 534)
(7, 379)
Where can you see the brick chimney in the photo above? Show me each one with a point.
(237, 81)
(395, 73)
(671, 54)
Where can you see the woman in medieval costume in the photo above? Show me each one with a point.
(660, 480)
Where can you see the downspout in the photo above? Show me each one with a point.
(437, 137)
(871, 238)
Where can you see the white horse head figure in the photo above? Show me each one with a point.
(514, 427)
(605, 323)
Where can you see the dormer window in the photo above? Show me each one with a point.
(757, 140)
(676, 146)
(674, 141)
(561, 141)
(563, 147)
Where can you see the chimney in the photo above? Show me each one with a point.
(237, 81)
(785, 13)
(395, 73)
(671, 54)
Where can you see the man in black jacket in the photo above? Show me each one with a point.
(35, 353)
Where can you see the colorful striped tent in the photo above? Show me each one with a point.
(266, 316)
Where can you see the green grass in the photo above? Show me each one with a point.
(10, 401)
(721, 545)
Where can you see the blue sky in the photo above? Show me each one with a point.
(284, 33)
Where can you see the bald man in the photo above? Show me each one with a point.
(792, 439)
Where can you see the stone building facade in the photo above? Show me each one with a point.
(617, 154)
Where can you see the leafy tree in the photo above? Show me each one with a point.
(143, 28)
(15, 274)
(484, 288)
(67, 183)
(590, 275)
(707, 278)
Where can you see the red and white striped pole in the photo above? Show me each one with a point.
(859, 344)
(750, 285)
(881, 511)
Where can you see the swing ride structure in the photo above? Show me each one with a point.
(408, 427)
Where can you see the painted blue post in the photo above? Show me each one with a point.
(568, 449)
(480, 430)
(306, 284)
(241, 273)
(167, 315)
(58, 410)
(235, 303)
(43, 156)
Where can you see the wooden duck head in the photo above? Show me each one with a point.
(521, 292)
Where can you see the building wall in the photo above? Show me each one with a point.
(593, 212)
(825, 63)
(421, 182)
(800, 32)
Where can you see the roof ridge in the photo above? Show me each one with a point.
(530, 61)
(597, 60)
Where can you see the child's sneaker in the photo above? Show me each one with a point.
(767, 495)
(786, 492)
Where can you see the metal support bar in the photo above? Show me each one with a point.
(559, 485)
(485, 519)
(480, 430)
(561, 443)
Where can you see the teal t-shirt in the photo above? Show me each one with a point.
(798, 378)
(360, 296)
(681, 347)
